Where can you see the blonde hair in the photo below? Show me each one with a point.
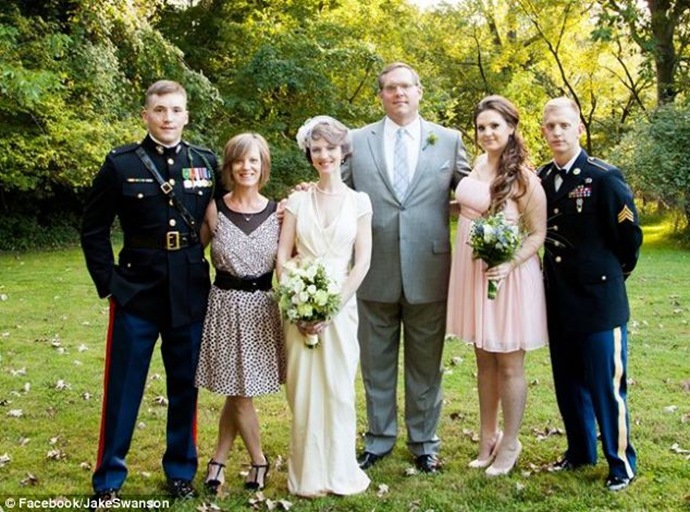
(162, 87)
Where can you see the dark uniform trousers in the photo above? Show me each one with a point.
(159, 287)
(592, 245)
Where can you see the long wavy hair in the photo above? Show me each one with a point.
(511, 180)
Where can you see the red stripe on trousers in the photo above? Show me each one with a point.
(106, 373)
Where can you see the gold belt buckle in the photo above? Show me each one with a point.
(172, 240)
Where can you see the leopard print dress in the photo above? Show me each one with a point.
(242, 348)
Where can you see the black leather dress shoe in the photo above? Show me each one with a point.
(428, 463)
(104, 500)
(181, 489)
(564, 464)
(368, 459)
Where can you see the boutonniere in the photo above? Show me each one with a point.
(430, 140)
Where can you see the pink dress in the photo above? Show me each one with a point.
(516, 319)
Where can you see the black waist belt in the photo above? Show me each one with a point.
(170, 241)
(226, 281)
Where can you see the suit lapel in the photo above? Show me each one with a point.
(375, 140)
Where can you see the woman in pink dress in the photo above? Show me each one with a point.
(502, 329)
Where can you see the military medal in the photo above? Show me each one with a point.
(579, 202)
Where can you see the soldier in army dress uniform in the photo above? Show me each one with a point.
(159, 286)
(592, 245)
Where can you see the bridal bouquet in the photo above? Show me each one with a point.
(494, 240)
(307, 294)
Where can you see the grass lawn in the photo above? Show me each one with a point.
(52, 333)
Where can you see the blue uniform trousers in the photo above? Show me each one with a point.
(589, 372)
(130, 344)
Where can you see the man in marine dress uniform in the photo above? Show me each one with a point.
(158, 287)
(592, 245)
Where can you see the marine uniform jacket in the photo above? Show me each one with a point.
(592, 245)
(150, 280)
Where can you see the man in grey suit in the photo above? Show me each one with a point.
(407, 166)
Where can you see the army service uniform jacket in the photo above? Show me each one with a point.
(592, 244)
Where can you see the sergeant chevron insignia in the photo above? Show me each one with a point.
(625, 214)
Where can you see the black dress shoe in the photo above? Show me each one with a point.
(564, 464)
(104, 500)
(428, 463)
(618, 483)
(181, 489)
(368, 459)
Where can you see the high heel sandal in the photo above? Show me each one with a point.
(482, 463)
(493, 470)
(213, 481)
(256, 479)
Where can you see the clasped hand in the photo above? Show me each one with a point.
(500, 272)
(312, 328)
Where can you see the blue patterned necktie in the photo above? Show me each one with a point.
(401, 172)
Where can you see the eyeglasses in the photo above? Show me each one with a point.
(393, 88)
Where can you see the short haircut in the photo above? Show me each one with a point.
(561, 102)
(332, 131)
(237, 148)
(397, 65)
(162, 87)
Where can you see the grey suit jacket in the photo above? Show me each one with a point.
(411, 239)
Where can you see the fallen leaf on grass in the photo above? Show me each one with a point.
(29, 480)
(3, 296)
(670, 409)
(519, 486)
(382, 490)
(4, 459)
(160, 400)
(53, 440)
(455, 361)
(86, 395)
(675, 448)
(55, 454)
(62, 385)
(15, 413)
(546, 432)
(457, 416)
(82, 348)
(411, 471)
(685, 385)
(18, 373)
(23, 441)
(685, 418)
(471, 434)
(86, 466)
(208, 507)
(26, 387)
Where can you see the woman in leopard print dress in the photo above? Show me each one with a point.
(242, 349)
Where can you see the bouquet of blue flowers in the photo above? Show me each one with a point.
(494, 240)
(307, 294)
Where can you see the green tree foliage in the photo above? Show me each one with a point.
(73, 73)
(656, 157)
(661, 28)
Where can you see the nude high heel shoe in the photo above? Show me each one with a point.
(505, 461)
(482, 463)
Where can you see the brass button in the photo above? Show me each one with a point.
(170, 161)
(555, 228)
(140, 195)
(555, 210)
(170, 203)
(558, 259)
(172, 222)
(556, 243)
(603, 278)
(201, 193)
(171, 181)
(129, 265)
